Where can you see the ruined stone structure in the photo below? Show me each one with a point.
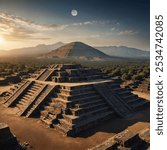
(71, 98)
(8, 141)
(126, 140)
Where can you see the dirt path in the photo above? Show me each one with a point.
(42, 138)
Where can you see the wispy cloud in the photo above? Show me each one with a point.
(15, 20)
(128, 32)
(84, 23)
(95, 36)
(14, 27)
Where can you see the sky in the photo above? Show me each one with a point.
(25, 23)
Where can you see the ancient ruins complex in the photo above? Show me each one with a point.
(71, 98)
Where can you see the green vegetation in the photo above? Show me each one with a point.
(126, 69)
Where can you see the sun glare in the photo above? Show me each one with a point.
(2, 40)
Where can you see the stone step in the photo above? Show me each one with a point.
(60, 100)
(59, 128)
(130, 96)
(45, 75)
(40, 74)
(23, 100)
(130, 102)
(81, 111)
(43, 112)
(99, 117)
(87, 88)
(32, 100)
(119, 89)
(65, 124)
(14, 97)
(76, 95)
(23, 103)
(68, 128)
(36, 105)
(140, 104)
(124, 92)
(78, 101)
(86, 99)
(113, 85)
(35, 88)
(74, 92)
(31, 91)
(27, 96)
(113, 100)
(19, 106)
(73, 119)
(47, 121)
(86, 104)
(49, 108)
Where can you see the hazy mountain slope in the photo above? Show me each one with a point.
(123, 51)
(37, 50)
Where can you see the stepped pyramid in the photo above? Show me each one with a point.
(71, 98)
(77, 50)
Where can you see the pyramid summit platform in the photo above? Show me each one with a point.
(71, 98)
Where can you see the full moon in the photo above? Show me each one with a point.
(74, 12)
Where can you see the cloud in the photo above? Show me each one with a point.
(15, 20)
(16, 28)
(127, 32)
(89, 22)
(83, 23)
(95, 36)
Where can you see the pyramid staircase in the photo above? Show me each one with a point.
(113, 100)
(75, 109)
(42, 98)
(16, 95)
(45, 75)
(135, 102)
(29, 96)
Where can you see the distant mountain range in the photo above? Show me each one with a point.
(77, 49)
(122, 51)
(29, 51)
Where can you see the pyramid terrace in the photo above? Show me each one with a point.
(71, 98)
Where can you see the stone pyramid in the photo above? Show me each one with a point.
(71, 98)
(76, 49)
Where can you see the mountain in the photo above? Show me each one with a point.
(77, 50)
(32, 51)
(122, 51)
